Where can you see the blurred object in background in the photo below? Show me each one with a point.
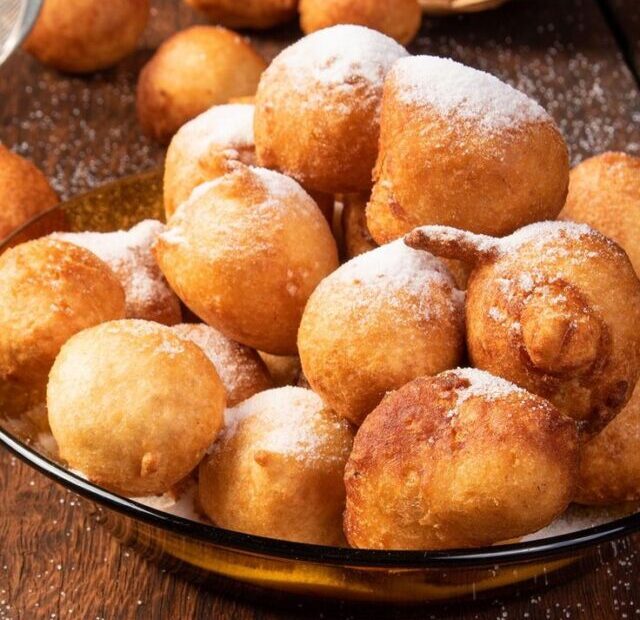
(16, 20)
(458, 6)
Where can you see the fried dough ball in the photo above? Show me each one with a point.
(191, 71)
(317, 108)
(49, 290)
(554, 308)
(240, 368)
(87, 35)
(398, 19)
(610, 462)
(467, 460)
(604, 192)
(24, 191)
(258, 14)
(276, 469)
(206, 148)
(134, 406)
(380, 320)
(461, 148)
(284, 369)
(245, 252)
(128, 253)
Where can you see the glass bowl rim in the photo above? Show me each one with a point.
(517, 552)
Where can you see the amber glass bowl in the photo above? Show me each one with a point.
(294, 568)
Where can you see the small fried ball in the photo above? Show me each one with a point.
(380, 320)
(24, 192)
(240, 368)
(128, 253)
(459, 147)
(258, 14)
(133, 406)
(610, 462)
(398, 19)
(49, 290)
(276, 469)
(554, 307)
(245, 252)
(463, 459)
(206, 148)
(317, 108)
(604, 192)
(191, 71)
(87, 35)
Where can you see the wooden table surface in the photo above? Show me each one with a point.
(575, 56)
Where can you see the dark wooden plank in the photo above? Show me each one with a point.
(54, 559)
(625, 15)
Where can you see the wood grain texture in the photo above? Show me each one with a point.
(55, 562)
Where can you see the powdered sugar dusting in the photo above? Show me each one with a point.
(454, 89)
(291, 421)
(128, 253)
(484, 385)
(394, 268)
(340, 58)
(541, 233)
(224, 126)
(236, 364)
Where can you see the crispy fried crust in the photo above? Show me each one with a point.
(277, 469)
(435, 169)
(245, 256)
(49, 290)
(604, 192)
(430, 472)
(398, 19)
(191, 71)
(134, 406)
(24, 191)
(87, 35)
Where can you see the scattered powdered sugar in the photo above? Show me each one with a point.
(129, 255)
(452, 88)
(233, 361)
(395, 267)
(228, 126)
(484, 385)
(179, 502)
(541, 233)
(288, 420)
(279, 186)
(339, 58)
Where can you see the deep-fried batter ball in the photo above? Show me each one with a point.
(193, 70)
(461, 148)
(240, 368)
(463, 459)
(284, 369)
(357, 239)
(128, 253)
(398, 19)
(24, 191)
(610, 462)
(245, 252)
(604, 192)
(87, 35)
(206, 148)
(276, 469)
(554, 308)
(259, 14)
(134, 406)
(380, 320)
(317, 108)
(49, 290)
